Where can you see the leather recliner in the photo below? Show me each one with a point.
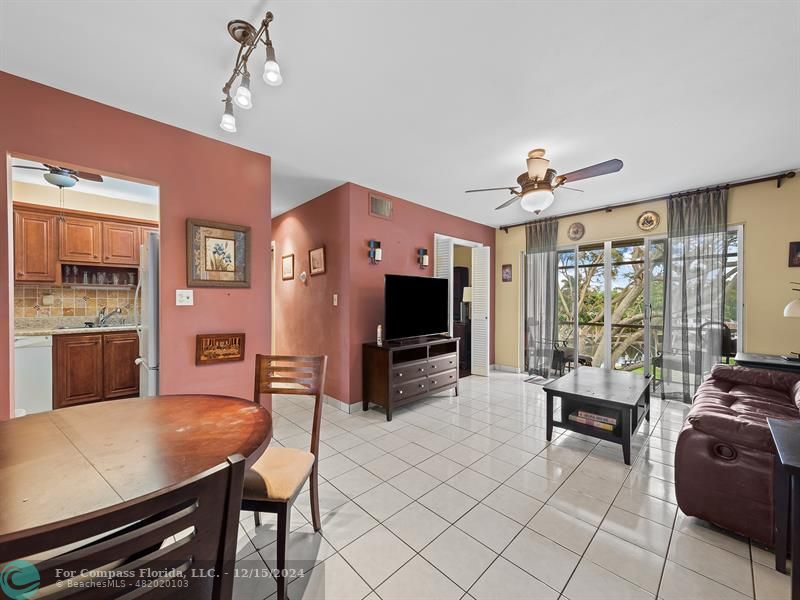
(725, 454)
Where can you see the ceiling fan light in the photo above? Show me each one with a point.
(272, 70)
(228, 122)
(537, 167)
(243, 98)
(60, 179)
(537, 200)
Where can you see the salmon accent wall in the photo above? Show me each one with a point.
(340, 219)
(198, 177)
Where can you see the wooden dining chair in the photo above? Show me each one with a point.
(274, 481)
(179, 542)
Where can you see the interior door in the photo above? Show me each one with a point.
(481, 277)
(443, 267)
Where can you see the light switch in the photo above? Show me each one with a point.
(184, 297)
(336, 299)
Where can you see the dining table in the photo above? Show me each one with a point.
(69, 462)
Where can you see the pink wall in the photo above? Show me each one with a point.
(306, 322)
(412, 226)
(198, 177)
(305, 319)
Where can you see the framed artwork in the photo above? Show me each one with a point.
(218, 347)
(316, 261)
(287, 267)
(217, 254)
(576, 231)
(794, 254)
(506, 272)
(648, 220)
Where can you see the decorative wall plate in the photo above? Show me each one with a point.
(648, 220)
(576, 231)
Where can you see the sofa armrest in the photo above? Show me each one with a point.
(735, 429)
(784, 381)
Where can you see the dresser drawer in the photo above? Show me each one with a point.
(410, 389)
(410, 371)
(439, 380)
(442, 363)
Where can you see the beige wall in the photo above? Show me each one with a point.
(462, 256)
(770, 218)
(47, 195)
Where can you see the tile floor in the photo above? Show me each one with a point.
(462, 497)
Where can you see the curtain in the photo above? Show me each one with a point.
(541, 277)
(697, 244)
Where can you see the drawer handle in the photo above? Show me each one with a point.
(421, 369)
(399, 374)
(422, 385)
(433, 382)
(399, 392)
(433, 366)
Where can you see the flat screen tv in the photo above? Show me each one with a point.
(415, 306)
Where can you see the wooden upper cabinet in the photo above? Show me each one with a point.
(120, 371)
(121, 243)
(80, 240)
(34, 246)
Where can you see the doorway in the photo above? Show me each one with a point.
(85, 277)
(467, 266)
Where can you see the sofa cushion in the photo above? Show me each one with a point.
(759, 378)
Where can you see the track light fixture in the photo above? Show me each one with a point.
(248, 38)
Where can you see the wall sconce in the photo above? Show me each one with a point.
(422, 257)
(375, 253)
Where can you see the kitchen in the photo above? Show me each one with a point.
(85, 287)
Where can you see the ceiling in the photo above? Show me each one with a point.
(424, 99)
(110, 188)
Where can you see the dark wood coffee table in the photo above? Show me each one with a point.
(590, 388)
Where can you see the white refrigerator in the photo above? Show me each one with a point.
(146, 307)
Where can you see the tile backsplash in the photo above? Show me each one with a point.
(71, 306)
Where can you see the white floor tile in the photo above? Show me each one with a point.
(418, 580)
(416, 525)
(382, 501)
(542, 558)
(489, 527)
(447, 502)
(459, 557)
(377, 554)
(679, 583)
(504, 580)
(592, 582)
(333, 579)
(569, 531)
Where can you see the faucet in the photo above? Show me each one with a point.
(103, 316)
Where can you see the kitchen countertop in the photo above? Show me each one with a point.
(63, 331)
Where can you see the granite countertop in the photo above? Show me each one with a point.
(65, 330)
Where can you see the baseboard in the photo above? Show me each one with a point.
(340, 404)
(505, 369)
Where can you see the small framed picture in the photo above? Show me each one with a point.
(316, 261)
(218, 347)
(794, 254)
(217, 254)
(506, 271)
(287, 267)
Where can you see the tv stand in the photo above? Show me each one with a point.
(398, 372)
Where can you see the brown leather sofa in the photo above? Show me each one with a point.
(724, 455)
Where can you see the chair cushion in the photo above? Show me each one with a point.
(278, 474)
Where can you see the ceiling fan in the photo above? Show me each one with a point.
(62, 176)
(535, 186)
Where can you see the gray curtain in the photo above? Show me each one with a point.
(541, 277)
(697, 225)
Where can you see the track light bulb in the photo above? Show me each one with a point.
(228, 122)
(242, 97)
(272, 71)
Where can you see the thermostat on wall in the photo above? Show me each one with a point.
(184, 297)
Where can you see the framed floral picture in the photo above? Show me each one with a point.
(506, 273)
(287, 267)
(217, 254)
(316, 261)
(794, 254)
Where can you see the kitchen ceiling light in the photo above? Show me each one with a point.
(248, 38)
(243, 98)
(538, 199)
(228, 122)
(61, 180)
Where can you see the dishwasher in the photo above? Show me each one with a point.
(33, 374)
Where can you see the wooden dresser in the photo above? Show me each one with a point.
(396, 373)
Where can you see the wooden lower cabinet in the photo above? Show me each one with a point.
(89, 367)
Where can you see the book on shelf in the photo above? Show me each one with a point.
(597, 417)
(591, 422)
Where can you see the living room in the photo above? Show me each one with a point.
(486, 301)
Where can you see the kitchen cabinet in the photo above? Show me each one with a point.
(121, 243)
(35, 251)
(89, 367)
(120, 371)
(80, 240)
(77, 369)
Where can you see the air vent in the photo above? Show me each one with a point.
(380, 207)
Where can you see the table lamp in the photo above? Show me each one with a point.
(792, 310)
(466, 298)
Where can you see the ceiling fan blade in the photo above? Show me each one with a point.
(508, 202)
(27, 167)
(603, 168)
(510, 189)
(564, 187)
(89, 176)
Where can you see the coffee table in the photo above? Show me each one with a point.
(626, 395)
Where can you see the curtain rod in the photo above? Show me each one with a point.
(779, 177)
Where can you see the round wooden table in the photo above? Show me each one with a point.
(72, 461)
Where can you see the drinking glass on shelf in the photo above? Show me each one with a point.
(74, 274)
(86, 277)
(115, 278)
